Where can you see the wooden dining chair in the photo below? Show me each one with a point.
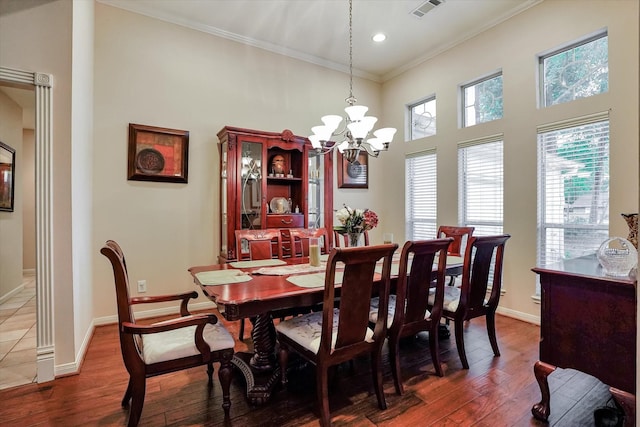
(339, 334)
(168, 346)
(408, 311)
(342, 240)
(260, 244)
(300, 240)
(482, 261)
(460, 237)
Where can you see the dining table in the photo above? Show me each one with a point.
(258, 289)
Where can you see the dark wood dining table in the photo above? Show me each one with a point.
(257, 299)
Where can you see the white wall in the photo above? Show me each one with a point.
(512, 47)
(11, 222)
(28, 200)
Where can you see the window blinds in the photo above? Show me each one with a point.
(421, 195)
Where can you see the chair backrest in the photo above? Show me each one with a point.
(342, 240)
(261, 244)
(415, 277)
(482, 260)
(300, 240)
(460, 238)
(129, 344)
(355, 297)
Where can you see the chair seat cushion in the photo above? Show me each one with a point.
(306, 330)
(373, 310)
(451, 298)
(180, 343)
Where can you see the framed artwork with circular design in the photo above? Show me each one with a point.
(353, 175)
(158, 154)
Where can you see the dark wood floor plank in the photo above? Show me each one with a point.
(495, 391)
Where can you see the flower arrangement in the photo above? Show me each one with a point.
(355, 220)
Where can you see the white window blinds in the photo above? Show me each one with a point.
(573, 188)
(480, 185)
(421, 195)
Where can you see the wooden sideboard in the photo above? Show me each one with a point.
(588, 323)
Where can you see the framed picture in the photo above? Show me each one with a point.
(7, 177)
(353, 175)
(158, 154)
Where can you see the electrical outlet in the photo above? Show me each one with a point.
(142, 286)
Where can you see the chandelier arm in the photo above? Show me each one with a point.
(369, 149)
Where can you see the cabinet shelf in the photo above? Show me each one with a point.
(283, 179)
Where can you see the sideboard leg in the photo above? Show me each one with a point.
(627, 402)
(542, 409)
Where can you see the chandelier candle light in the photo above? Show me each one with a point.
(357, 125)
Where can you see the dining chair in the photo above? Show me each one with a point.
(260, 245)
(339, 334)
(460, 237)
(300, 240)
(342, 240)
(408, 311)
(154, 349)
(482, 266)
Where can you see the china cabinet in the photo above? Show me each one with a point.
(270, 180)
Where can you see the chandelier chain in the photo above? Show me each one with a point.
(351, 100)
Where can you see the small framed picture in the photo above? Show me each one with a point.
(158, 154)
(353, 175)
(7, 177)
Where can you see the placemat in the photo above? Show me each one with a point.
(222, 277)
(315, 280)
(257, 263)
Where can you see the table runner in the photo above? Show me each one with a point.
(257, 263)
(289, 269)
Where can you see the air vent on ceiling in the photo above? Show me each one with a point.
(426, 7)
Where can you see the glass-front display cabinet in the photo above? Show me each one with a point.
(270, 180)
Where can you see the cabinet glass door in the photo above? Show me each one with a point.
(251, 185)
(316, 206)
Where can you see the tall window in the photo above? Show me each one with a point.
(480, 185)
(421, 195)
(573, 188)
(422, 119)
(482, 100)
(578, 71)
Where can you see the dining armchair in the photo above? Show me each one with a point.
(167, 346)
(408, 311)
(300, 240)
(259, 244)
(483, 260)
(460, 237)
(341, 333)
(342, 240)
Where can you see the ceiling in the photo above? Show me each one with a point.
(317, 31)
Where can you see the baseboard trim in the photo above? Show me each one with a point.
(525, 317)
(11, 293)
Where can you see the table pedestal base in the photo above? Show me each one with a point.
(260, 384)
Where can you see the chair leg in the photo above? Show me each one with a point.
(138, 387)
(322, 389)
(241, 333)
(376, 368)
(283, 359)
(460, 342)
(127, 395)
(434, 347)
(394, 360)
(210, 373)
(224, 376)
(491, 330)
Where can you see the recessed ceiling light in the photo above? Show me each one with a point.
(379, 37)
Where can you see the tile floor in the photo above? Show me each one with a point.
(18, 336)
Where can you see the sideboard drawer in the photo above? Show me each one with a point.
(285, 220)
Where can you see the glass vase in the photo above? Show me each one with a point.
(354, 239)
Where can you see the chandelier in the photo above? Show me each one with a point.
(353, 136)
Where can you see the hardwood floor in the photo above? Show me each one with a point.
(493, 392)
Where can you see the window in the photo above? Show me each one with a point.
(421, 196)
(573, 188)
(482, 100)
(578, 71)
(480, 189)
(422, 118)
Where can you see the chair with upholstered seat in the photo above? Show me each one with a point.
(338, 334)
(300, 240)
(168, 346)
(460, 237)
(482, 261)
(408, 311)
